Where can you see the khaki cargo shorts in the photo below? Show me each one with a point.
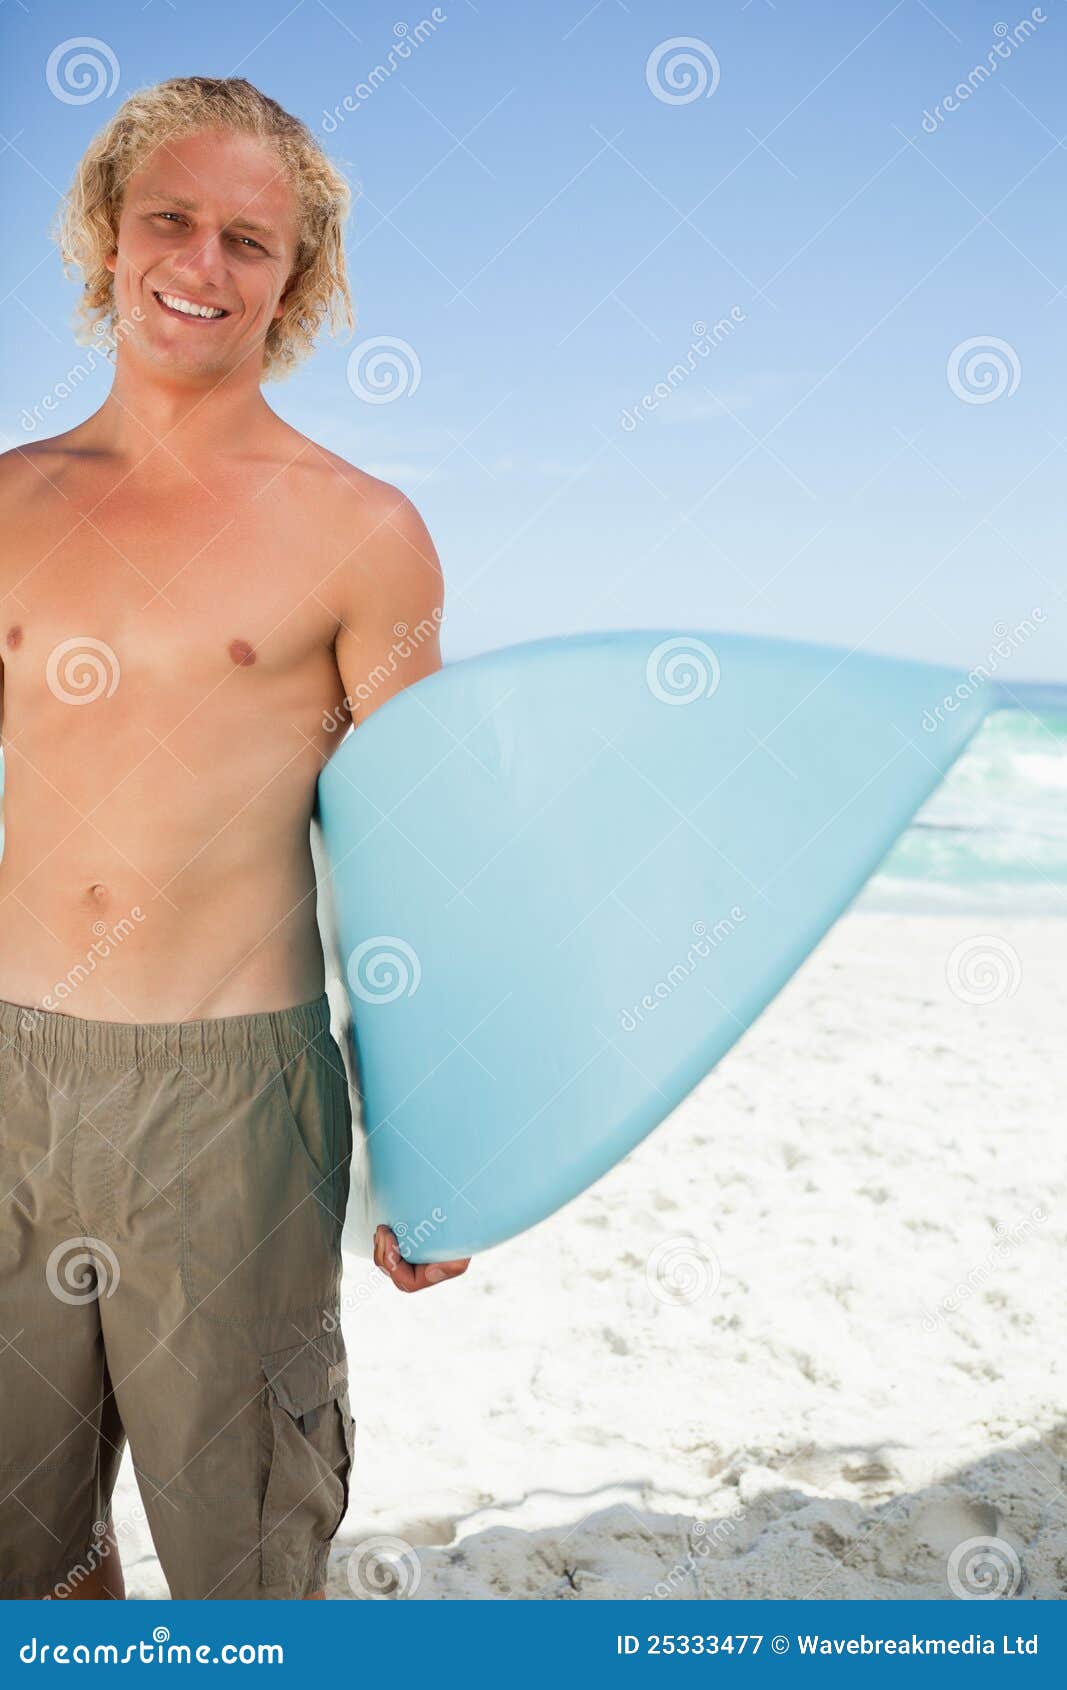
(171, 1205)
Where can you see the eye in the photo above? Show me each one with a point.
(240, 239)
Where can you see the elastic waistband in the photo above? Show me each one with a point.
(163, 1044)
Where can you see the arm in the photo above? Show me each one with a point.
(3, 788)
(392, 604)
(389, 638)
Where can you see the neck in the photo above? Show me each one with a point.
(179, 418)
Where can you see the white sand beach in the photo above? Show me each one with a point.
(845, 1361)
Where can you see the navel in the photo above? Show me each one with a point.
(14, 638)
(242, 653)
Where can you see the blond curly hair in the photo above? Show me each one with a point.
(86, 230)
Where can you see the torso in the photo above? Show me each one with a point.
(170, 694)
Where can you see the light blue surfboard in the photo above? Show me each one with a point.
(569, 874)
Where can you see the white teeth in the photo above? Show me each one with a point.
(176, 303)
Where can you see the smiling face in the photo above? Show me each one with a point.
(206, 245)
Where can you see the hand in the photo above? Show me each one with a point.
(405, 1275)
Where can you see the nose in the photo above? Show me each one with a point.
(203, 259)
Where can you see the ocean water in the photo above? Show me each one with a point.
(993, 837)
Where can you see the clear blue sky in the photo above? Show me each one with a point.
(544, 231)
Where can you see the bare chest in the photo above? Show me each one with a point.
(99, 587)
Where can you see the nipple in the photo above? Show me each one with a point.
(14, 638)
(242, 653)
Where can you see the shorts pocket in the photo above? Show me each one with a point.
(310, 1450)
(312, 1095)
(261, 1217)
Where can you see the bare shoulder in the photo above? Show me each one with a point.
(387, 586)
(358, 498)
(25, 473)
(385, 555)
(22, 468)
(34, 467)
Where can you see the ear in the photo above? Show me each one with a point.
(111, 260)
(283, 301)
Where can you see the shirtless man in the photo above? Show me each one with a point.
(191, 592)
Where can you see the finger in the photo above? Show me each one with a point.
(386, 1247)
(392, 1262)
(435, 1272)
(403, 1275)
